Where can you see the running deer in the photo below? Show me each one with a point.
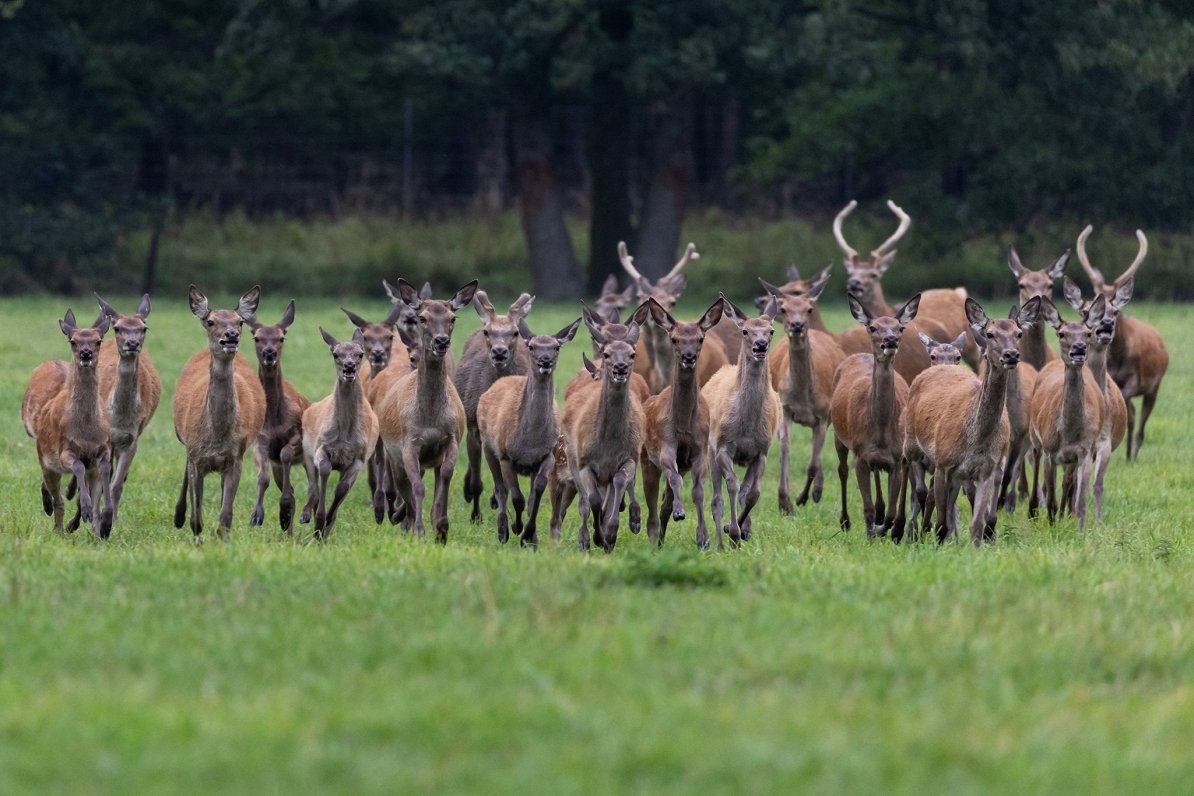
(491, 353)
(802, 368)
(130, 389)
(1066, 413)
(1034, 348)
(943, 353)
(603, 430)
(421, 418)
(339, 433)
(795, 286)
(219, 409)
(518, 423)
(380, 352)
(677, 430)
(64, 413)
(1115, 411)
(744, 415)
(955, 424)
(865, 408)
(942, 313)
(1137, 359)
(280, 443)
(656, 367)
(408, 322)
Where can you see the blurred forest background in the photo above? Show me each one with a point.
(319, 145)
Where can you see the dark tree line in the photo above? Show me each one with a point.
(992, 115)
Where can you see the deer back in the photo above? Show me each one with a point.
(1141, 354)
(49, 378)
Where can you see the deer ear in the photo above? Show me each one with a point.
(1049, 313)
(928, 342)
(1058, 268)
(68, 324)
(105, 307)
(675, 284)
(712, 316)
(818, 283)
(960, 341)
(770, 309)
(1123, 294)
(358, 337)
(288, 316)
(641, 313)
(632, 332)
(591, 320)
(628, 294)
(524, 331)
(406, 339)
(975, 315)
(464, 295)
(522, 305)
(425, 291)
(327, 338)
(361, 323)
(391, 319)
(101, 325)
(1094, 316)
(660, 315)
(588, 363)
(1013, 261)
(483, 305)
(143, 307)
(730, 311)
(793, 272)
(1014, 313)
(566, 334)
(860, 313)
(247, 307)
(406, 293)
(1072, 293)
(885, 262)
(610, 285)
(198, 302)
(907, 313)
(1029, 314)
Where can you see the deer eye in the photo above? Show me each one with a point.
(990, 335)
(1019, 335)
(485, 332)
(871, 328)
(210, 322)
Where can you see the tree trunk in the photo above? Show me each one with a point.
(667, 196)
(609, 157)
(492, 166)
(555, 273)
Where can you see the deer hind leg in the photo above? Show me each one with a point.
(473, 486)
(843, 475)
(229, 483)
(530, 536)
(196, 481)
(312, 487)
(1102, 460)
(501, 492)
(896, 482)
(562, 495)
(622, 481)
(816, 475)
(261, 459)
(510, 477)
(1130, 451)
(378, 474)
(941, 490)
(1034, 495)
(1146, 409)
(751, 490)
(1081, 482)
(107, 514)
(348, 477)
(286, 456)
(180, 508)
(120, 473)
(880, 503)
(651, 496)
(588, 495)
(785, 447)
(443, 480)
(697, 474)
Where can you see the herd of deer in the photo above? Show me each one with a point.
(672, 397)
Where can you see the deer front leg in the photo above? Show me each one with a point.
(651, 496)
(86, 508)
(510, 476)
(348, 477)
(623, 479)
(1034, 497)
(716, 505)
(843, 475)
(229, 483)
(473, 486)
(562, 495)
(104, 466)
(323, 468)
(1102, 460)
(120, 473)
(378, 473)
(1081, 482)
(180, 508)
(413, 485)
(940, 504)
(896, 480)
(815, 476)
(500, 492)
(443, 480)
(290, 451)
(983, 494)
(751, 486)
(52, 490)
(785, 446)
(587, 495)
(697, 474)
(675, 481)
(261, 459)
(530, 537)
(196, 500)
(726, 465)
(862, 474)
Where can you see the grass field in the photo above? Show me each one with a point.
(810, 660)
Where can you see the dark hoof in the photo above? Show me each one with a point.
(379, 514)
(702, 545)
(475, 517)
(678, 515)
(73, 524)
(493, 502)
(845, 523)
(802, 499)
(816, 495)
(257, 517)
(47, 503)
(785, 505)
(503, 532)
(180, 516)
(105, 526)
(285, 517)
(529, 542)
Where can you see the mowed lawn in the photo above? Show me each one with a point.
(810, 660)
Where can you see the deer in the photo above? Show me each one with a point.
(1137, 359)
(744, 414)
(656, 366)
(865, 407)
(421, 418)
(408, 323)
(943, 353)
(280, 443)
(518, 424)
(380, 352)
(603, 431)
(795, 286)
(219, 409)
(802, 368)
(1115, 411)
(491, 353)
(64, 413)
(955, 423)
(677, 427)
(611, 302)
(942, 312)
(339, 433)
(1066, 413)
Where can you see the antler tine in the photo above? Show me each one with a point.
(1128, 274)
(837, 229)
(628, 261)
(1096, 278)
(905, 222)
(690, 254)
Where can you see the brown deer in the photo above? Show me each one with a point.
(656, 366)
(795, 286)
(1115, 411)
(603, 429)
(339, 433)
(942, 313)
(1137, 359)
(744, 415)
(1034, 348)
(1066, 413)
(421, 418)
(518, 424)
(943, 353)
(491, 353)
(677, 430)
(67, 419)
(219, 408)
(865, 408)
(380, 353)
(955, 423)
(611, 302)
(802, 368)
(130, 389)
(280, 443)
(408, 324)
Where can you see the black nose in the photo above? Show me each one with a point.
(232, 337)
(891, 340)
(500, 353)
(1079, 348)
(1011, 356)
(133, 345)
(760, 345)
(442, 341)
(620, 368)
(853, 285)
(688, 356)
(796, 327)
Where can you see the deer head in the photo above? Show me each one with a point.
(668, 288)
(795, 308)
(885, 331)
(617, 355)
(501, 331)
(223, 326)
(545, 348)
(1036, 283)
(617, 331)
(686, 338)
(435, 318)
(85, 341)
(943, 353)
(347, 356)
(127, 330)
(378, 337)
(863, 275)
(795, 286)
(756, 332)
(999, 338)
(1104, 328)
(407, 317)
(268, 338)
(1097, 280)
(1074, 336)
(611, 302)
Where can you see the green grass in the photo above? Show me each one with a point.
(810, 660)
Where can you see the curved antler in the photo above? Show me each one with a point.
(628, 262)
(1096, 277)
(1128, 274)
(905, 222)
(690, 254)
(851, 253)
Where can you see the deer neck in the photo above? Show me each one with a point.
(220, 410)
(987, 413)
(275, 394)
(800, 371)
(346, 408)
(432, 383)
(1073, 402)
(1097, 362)
(611, 428)
(883, 409)
(84, 421)
(537, 417)
(875, 302)
(752, 379)
(376, 369)
(659, 346)
(685, 394)
(1033, 346)
(125, 399)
